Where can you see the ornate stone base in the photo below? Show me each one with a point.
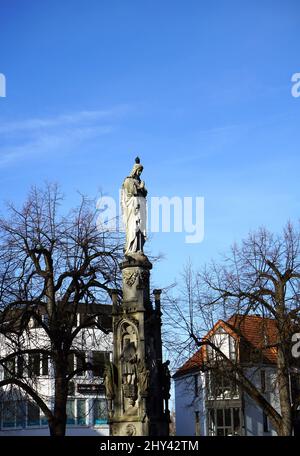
(139, 428)
(138, 406)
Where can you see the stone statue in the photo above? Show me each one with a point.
(109, 383)
(166, 379)
(143, 377)
(109, 380)
(166, 384)
(133, 202)
(128, 358)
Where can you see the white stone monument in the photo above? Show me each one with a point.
(138, 397)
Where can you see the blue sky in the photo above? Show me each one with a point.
(200, 90)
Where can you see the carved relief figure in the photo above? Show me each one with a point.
(130, 430)
(143, 377)
(166, 384)
(166, 379)
(128, 358)
(109, 380)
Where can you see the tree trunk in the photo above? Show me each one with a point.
(57, 425)
(286, 427)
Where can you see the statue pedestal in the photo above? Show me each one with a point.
(138, 405)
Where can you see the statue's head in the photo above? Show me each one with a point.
(137, 168)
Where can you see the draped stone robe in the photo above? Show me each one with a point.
(134, 214)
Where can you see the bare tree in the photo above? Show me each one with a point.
(260, 276)
(50, 264)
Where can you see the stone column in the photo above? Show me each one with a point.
(138, 404)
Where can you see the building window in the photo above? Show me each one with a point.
(76, 412)
(9, 368)
(71, 388)
(13, 414)
(33, 364)
(80, 360)
(224, 421)
(99, 412)
(196, 385)
(81, 412)
(87, 320)
(99, 361)
(20, 366)
(20, 413)
(45, 367)
(44, 421)
(70, 411)
(76, 361)
(71, 363)
(220, 386)
(33, 414)
(263, 381)
(232, 348)
(265, 422)
(197, 423)
(8, 414)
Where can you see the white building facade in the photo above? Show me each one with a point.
(210, 404)
(86, 406)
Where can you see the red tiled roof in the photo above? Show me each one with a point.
(194, 363)
(253, 331)
(259, 332)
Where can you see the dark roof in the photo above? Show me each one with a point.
(12, 315)
(103, 310)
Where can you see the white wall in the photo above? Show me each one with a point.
(186, 404)
(253, 413)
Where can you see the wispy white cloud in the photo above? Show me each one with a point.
(47, 144)
(62, 120)
(38, 137)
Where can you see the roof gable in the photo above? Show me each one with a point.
(255, 334)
